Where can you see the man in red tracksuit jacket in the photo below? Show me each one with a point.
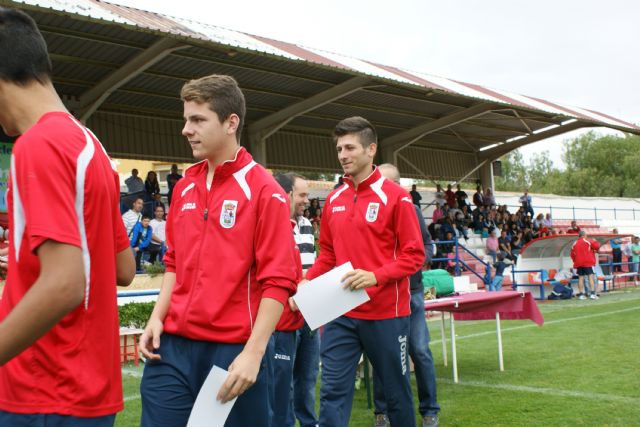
(584, 258)
(229, 269)
(283, 342)
(371, 222)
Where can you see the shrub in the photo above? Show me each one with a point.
(154, 269)
(135, 314)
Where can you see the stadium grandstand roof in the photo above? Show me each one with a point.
(120, 70)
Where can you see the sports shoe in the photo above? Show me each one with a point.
(382, 421)
(593, 296)
(430, 421)
(582, 297)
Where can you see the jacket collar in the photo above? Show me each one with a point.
(225, 169)
(374, 176)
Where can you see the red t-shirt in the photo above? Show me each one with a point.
(63, 188)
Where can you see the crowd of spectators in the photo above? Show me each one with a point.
(505, 231)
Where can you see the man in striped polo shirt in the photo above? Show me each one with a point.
(305, 369)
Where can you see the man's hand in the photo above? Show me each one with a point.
(150, 339)
(4, 258)
(359, 279)
(292, 305)
(243, 373)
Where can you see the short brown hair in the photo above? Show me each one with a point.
(356, 126)
(222, 94)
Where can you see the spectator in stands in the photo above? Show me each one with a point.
(157, 202)
(492, 246)
(584, 259)
(574, 228)
(447, 227)
(527, 235)
(478, 198)
(538, 223)
(499, 266)
(450, 197)
(616, 251)
(151, 184)
(340, 182)
(516, 243)
(468, 219)
(461, 197)
(445, 249)
(134, 183)
(488, 199)
(141, 239)
(314, 207)
(525, 201)
(504, 244)
(635, 257)
(418, 336)
(437, 213)
(307, 214)
(461, 225)
(548, 222)
(478, 224)
(133, 215)
(440, 198)
(172, 179)
(415, 196)
(157, 224)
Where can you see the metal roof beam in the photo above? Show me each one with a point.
(269, 125)
(502, 149)
(91, 100)
(392, 145)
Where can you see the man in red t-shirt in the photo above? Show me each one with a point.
(59, 340)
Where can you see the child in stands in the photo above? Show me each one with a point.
(499, 266)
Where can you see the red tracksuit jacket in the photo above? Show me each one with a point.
(376, 228)
(583, 252)
(290, 320)
(229, 246)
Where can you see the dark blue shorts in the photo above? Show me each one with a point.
(10, 419)
(585, 271)
(170, 386)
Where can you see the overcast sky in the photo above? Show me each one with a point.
(578, 52)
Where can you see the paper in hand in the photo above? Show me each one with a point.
(322, 299)
(207, 411)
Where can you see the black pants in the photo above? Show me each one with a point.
(617, 257)
(153, 250)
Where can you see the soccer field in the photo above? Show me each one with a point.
(580, 369)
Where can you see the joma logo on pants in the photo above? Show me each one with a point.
(402, 339)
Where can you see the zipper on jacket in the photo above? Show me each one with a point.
(203, 233)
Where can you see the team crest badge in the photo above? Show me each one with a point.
(228, 213)
(372, 212)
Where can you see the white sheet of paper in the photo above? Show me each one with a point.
(322, 299)
(207, 411)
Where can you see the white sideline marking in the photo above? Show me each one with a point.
(551, 322)
(132, 397)
(546, 391)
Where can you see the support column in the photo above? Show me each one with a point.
(257, 146)
(486, 175)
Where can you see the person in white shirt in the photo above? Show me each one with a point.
(157, 238)
(133, 215)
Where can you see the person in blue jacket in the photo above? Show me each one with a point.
(141, 238)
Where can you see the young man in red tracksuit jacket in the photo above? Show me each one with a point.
(371, 222)
(584, 258)
(229, 269)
